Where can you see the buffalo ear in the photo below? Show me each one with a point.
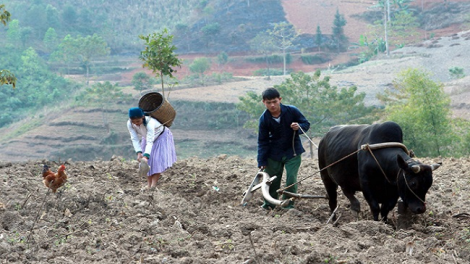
(401, 162)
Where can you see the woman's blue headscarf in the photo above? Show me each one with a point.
(136, 112)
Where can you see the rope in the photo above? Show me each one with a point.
(367, 146)
(363, 147)
(388, 145)
(343, 158)
(293, 142)
(305, 134)
(406, 182)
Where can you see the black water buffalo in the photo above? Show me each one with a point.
(383, 173)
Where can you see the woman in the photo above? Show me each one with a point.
(153, 144)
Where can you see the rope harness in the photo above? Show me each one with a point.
(363, 147)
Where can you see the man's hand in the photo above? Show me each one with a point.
(262, 167)
(139, 156)
(295, 126)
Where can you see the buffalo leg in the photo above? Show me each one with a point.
(355, 204)
(331, 190)
(373, 204)
(387, 207)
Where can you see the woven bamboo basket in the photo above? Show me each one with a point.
(155, 105)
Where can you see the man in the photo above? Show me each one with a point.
(279, 144)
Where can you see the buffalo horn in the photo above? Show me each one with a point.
(435, 166)
(415, 168)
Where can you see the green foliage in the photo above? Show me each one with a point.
(51, 40)
(322, 104)
(315, 59)
(270, 72)
(4, 15)
(82, 50)
(456, 73)
(461, 138)
(6, 77)
(101, 94)
(159, 55)
(319, 38)
(142, 81)
(339, 37)
(272, 59)
(199, 66)
(14, 33)
(283, 36)
(215, 115)
(263, 44)
(219, 78)
(222, 58)
(211, 29)
(403, 28)
(37, 88)
(422, 109)
(118, 22)
(371, 49)
(252, 104)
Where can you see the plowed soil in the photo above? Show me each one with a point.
(104, 215)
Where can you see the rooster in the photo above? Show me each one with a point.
(54, 180)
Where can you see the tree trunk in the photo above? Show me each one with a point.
(87, 71)
(163, 89)
(385, 30)
(267, 67)
(284, 53)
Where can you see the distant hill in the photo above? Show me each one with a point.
(120, 22)
(66, 131)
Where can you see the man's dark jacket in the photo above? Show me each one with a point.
(275, 139)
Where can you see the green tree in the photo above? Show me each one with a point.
(6, 77)
(51, 40)
(141, 81)
(69, 15)
(222, 58)
(159, 55)
(89, 48)
(394, 29)
(210, 31)
(339, 37)
(403, 28)
(319, 38)
(100, 94)
(35, 18)
(83, 50)
(284, 35)
(199, 66)
(52, 17)
(25, 35)
(66, 52)
(422, 109)
(322, 104)
(263, 43)
(14, 34)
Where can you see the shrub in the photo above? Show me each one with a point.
(315, 59)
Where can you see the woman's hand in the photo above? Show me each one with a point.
(139, 156)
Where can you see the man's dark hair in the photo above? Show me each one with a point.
(270, 93)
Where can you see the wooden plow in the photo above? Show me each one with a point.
(263, 181)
